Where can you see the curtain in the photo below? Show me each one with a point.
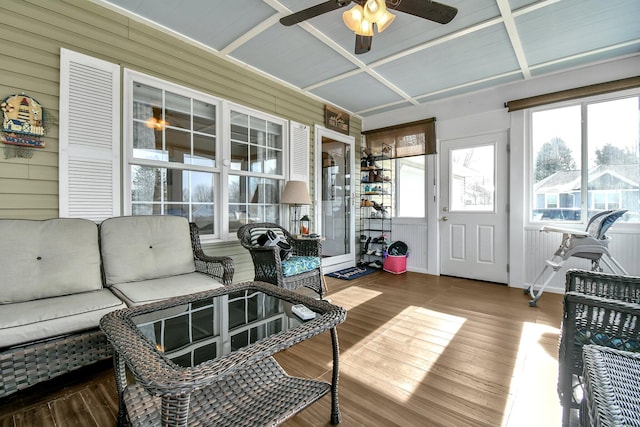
(567, 95)
(405, 140)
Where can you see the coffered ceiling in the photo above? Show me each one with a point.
(488, 43)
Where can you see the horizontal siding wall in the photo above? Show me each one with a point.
(32, 34)
(540, 246)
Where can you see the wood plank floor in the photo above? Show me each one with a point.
(416, 350)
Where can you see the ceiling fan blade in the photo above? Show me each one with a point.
(313, 11)
(363, 44)
(426, 9)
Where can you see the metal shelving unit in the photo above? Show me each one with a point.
(375, 208)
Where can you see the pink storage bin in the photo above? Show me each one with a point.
(396, 264)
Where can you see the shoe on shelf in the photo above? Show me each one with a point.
(375, 264)
(366, 245)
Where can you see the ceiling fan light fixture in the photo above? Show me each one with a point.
(374, 10)
(365, 28)
(384, 22)
(353, 17)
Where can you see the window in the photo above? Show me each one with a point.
(551, 201)
(175, 140)
(585, 159)
(407, 144)
(410, 187)
(256, 168)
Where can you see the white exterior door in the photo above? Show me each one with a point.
(473, 208)
(335, 207)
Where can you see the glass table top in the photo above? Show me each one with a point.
(206, 329)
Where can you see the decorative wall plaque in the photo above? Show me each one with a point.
(22, 121)
(335, 119)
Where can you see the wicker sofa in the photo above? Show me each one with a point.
(601, 309)
(58, 277)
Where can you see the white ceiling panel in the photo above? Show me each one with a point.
(488, 43)
(358, 93)
(293, 55)
(466, 59)
(577, 26)
(213, 23)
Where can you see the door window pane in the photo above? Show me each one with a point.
(472, 178)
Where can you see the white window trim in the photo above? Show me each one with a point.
(223, 148)
(227, 107)
(131, 76)
(529, 156)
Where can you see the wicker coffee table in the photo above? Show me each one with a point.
(612, 387)
(206, 359)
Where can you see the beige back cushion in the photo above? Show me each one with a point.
(41, 259)
(136, 248)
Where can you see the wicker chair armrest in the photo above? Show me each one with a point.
(306, 247)
(267, 264)
(619, 320)
(606, 285)
(219, 267)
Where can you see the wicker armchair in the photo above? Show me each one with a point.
(601, 309)
(267, 263)
(220, 267)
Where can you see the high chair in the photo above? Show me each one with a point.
(590, 244)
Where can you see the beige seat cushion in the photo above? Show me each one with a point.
(146, 291)
(136, 248)
(45, 318)
(41, 259)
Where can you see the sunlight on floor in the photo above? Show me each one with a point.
(355, 295)
(533, 400)
(402, 331)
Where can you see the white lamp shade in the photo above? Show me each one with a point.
(374, 9)
(384, 22)
(352, 17)
(365, 29)
(295, 193)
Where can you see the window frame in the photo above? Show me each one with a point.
(585, 205)
(398, 185)
(221, 170)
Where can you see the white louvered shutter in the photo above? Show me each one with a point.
(299, 152)
(89, 137)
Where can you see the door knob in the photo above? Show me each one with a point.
(444, 218)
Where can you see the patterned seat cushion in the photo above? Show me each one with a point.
(585, 337)
(299, 264)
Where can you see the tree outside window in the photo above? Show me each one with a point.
(609, 148)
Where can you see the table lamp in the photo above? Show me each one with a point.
(295, 194)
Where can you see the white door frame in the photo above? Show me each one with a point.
(495, 273)
(330, 264)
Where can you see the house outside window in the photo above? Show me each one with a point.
(585, 158)
(551, 201)
(175, 141)
(603, 200)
